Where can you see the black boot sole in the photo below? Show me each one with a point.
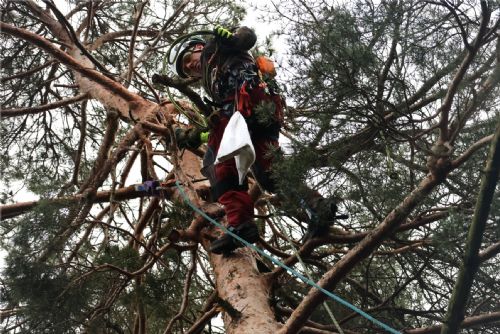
(250, 235)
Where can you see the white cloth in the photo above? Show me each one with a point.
(236, 143)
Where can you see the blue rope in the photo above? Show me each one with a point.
(284, 266)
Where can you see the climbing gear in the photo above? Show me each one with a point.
(154, 187)
(179, 46)
(284, 266)
(195, 117)
(226, 244)
(149, 187)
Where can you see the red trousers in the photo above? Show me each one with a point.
(237, 203)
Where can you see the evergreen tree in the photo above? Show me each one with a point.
(392, 106)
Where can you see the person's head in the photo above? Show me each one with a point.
(186, 60)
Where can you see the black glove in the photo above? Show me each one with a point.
(189, 138)
(224, 35)
(156, 79)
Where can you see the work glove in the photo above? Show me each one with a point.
(190, 138)
(224, 35)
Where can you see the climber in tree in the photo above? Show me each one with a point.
(231, 78)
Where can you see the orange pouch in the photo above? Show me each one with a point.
(266, 65)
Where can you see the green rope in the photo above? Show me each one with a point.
(200, 121)
(388, 159)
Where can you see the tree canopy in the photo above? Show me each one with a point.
(393, 111)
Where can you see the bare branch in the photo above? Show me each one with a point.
(7, 113)
(130, 71)
(482, 319)
(29, 72)
(185, 294)
(202, 321)
(457, 80)
(471, 150)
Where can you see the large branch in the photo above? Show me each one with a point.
(118, 96)
(489, 251)
(476, 320)
(468, 270)
(362, 251)
(12, 210)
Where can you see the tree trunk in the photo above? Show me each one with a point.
(241, 285)
(238, 282)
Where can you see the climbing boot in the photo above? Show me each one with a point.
(321, 215)
(226, 244)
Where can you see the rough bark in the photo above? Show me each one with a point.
(241, 285)
(238, 281)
